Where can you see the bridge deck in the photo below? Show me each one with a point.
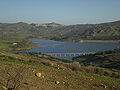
(71, 53)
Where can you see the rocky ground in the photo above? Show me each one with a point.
(37, 76)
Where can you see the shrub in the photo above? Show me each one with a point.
(75, 66)
(102, 71)
(47, 63)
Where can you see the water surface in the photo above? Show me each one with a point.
(50, 46)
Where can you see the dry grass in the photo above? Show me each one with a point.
(69, 79)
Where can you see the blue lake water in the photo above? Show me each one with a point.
(50, 46)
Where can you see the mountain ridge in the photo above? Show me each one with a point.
(59, 32)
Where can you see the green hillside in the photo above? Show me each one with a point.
(105, 59)
(103, 31)
(14, 30)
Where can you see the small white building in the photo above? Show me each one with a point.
(15, 43)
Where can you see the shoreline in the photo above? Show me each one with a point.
(101, 41)
(92, 41)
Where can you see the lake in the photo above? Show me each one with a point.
(50, 46)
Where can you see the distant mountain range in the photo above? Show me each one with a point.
(47, 25)
(54, 31)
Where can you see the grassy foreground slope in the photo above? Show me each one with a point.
(22, 70)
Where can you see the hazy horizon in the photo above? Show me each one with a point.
(61, 23)
(63, 11)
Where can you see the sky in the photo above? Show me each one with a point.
(59, 11)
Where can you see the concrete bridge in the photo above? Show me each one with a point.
(69, 54)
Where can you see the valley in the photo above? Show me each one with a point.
(26, 63)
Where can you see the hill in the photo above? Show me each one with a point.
(103, 31)
(14, 31)
(20, 72)
(106, 59)
(54, 31)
